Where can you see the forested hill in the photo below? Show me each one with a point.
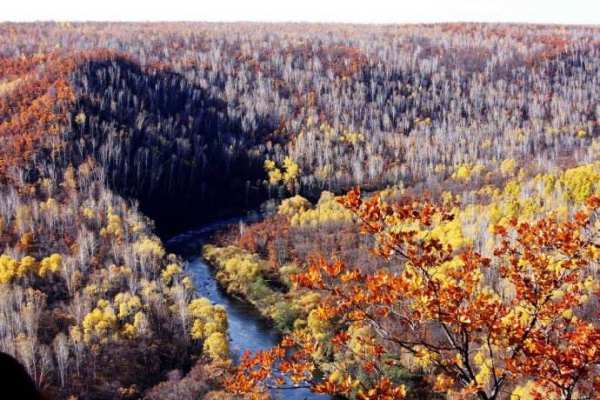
(184, 113)
(112, 132)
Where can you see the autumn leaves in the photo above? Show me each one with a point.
(476, 326)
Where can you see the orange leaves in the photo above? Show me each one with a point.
(443, 382)
(330, 386)
(593, 202)
(352, 199)
(264, 369)
(334, 269)
(383, 390)
(439, 305)
(36, 109)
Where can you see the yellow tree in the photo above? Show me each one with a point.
(474, 336)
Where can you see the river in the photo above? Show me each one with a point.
(247, 329)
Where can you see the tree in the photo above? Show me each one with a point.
(474, 336)
(60, 345)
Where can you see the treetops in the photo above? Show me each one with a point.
(107, 285)
(514, 261)
(210, 324)
(477, 326)
(327, 210)
(11, 269)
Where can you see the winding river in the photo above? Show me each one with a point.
(247, 329)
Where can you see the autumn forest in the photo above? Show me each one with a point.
(301, 211)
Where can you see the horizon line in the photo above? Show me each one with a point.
(298, 22)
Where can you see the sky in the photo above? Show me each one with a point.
(585, 12)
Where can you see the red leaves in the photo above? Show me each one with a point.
(352, 199)
(593, 202)
(438, 299)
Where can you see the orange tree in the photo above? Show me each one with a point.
(477, 326)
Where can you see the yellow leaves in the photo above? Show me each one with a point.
(114, 226)
(269, 165)
(327, 210)
(462, 172)
(149, 247)
(288, 173)
(88, 213)
(51, 264)
(197, 331)
(102, 323)
(207, 318)
(128, 331)
(318, 324)
(27, 264)
(447, 198)
(360, 336)
(99, 323)
(567, 314)
(425, 358)
(309, 300)
(512, 189)
(293, 205)
(507, 167)
(594, 252)
(187, 283)
(275, 176)
(216, 346)
(448, 274)
(127, 303)
(12, 269)
(245, 268)
(8, 268)
(352, 137)
(450, 232)
(530, 391)
(547, 182)
(336, 376)
(169, 272)
(581, 133)
(200, 307)
(291, 170)
(519, 316)
(484, 364)
(423, 121)
(274, 173)
(580, 182)
(80, 118)
(465, 172)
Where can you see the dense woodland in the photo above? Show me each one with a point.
(466, 269)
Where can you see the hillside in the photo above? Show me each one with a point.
(115, 136)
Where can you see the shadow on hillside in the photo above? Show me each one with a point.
(167, 143)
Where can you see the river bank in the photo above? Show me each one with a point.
(249, 330)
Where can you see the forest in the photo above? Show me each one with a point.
(428, 202)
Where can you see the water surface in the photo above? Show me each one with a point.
(247, 329)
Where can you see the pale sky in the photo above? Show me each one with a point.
(355, 11)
